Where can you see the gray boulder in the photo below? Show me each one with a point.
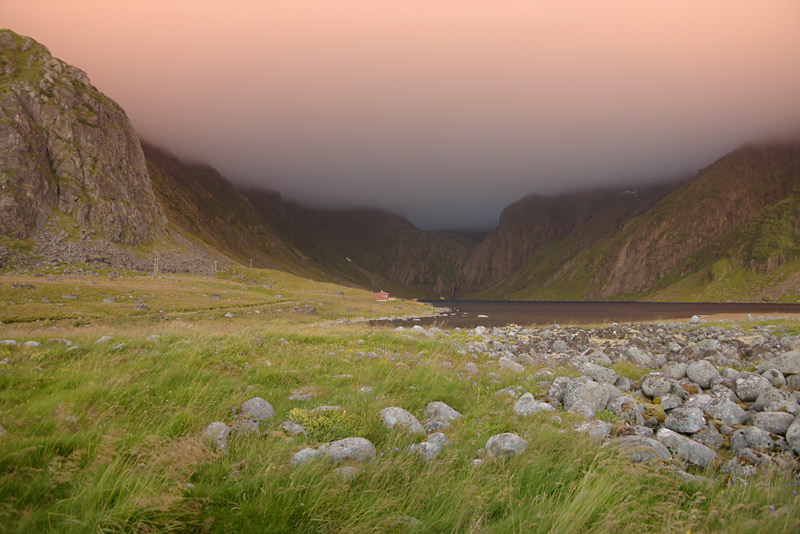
(793, 436)
(596, 430)
(686, 448)
(750, 385)
(505, 445)
(670, 401)
(736, 468)
(510, 365)
(793, 381)
(709, 437)
(399, 419)
(627, 409)
(686, 419)
(440, 410)
(655, 385)
(642, 449)
(527, 405)
(583, 394)
(775, 377)
(769, 397)
(357, 449)
(751, 438)
(258, 409)
(787, 363)
(599, 373)
(774, 422)
(702, 373)
(639, 357)
(292, 429)
(304, 456)
(216, 435)
(624, 383)
(432, 446)
(675, 370)
(726, 411)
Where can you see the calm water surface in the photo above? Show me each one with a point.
(466, 313)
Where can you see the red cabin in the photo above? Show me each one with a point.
(381, 296)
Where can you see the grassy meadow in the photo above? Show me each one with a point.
(105, 437)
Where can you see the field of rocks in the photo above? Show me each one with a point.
(239, 404)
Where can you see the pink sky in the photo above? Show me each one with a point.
(444, 111)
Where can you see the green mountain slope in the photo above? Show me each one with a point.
(739, 209)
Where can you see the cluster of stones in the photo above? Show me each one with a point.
(694, 405)
(357, 450)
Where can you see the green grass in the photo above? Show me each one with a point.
(105, 438)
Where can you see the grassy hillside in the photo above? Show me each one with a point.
(105, 437)
(202, 203)
(740, 210)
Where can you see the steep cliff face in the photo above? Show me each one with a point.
(67, 148)
(693, 226)
(390, 246)
(531, 227)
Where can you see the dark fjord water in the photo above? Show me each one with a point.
(466, 313)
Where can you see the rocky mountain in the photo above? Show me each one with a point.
(739, 209)
(76, 185)
(68, 152)
(544, 231)
(202, 203)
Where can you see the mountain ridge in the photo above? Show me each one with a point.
(78, 185)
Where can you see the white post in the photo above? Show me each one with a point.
(251, 263)
(215, 266)
(69, 252)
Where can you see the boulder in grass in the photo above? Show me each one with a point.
(596, 430)
(440, 410)
(399, 419)
(356, 449)
(432, 446)
(627, 409)
(527, 405)
(686, 448)
(304, 456)
(751, 437)
(216, 436)
(599, 373)
(642, 449)
(586, 394)
(510, 365)
(505, 445)
(258, 409)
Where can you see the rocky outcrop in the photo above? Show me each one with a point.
(68, 152)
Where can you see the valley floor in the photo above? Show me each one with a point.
(108, 381)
